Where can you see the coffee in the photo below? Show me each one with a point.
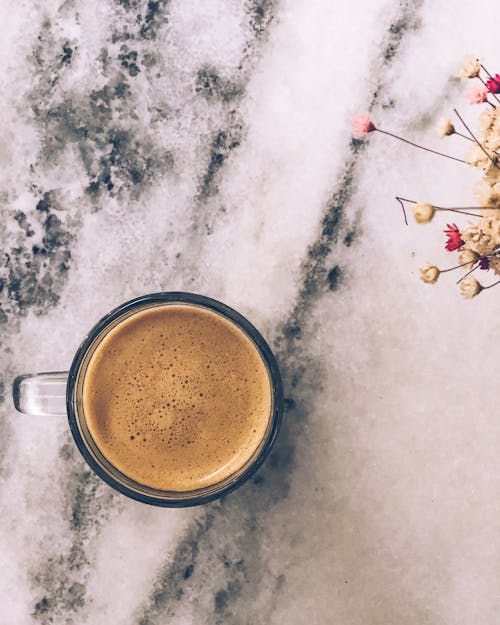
(177, 397)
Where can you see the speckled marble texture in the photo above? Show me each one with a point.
(205, 146)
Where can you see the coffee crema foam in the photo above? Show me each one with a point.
(177, 397)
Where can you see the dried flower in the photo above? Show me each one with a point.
(361, 125)
(470, 67)
(470, 287)
(477, 157)
(467, 258)
(493, 84)
(492, 142)
(423, 212)
(478, 244)
(487, 194)
(454, 241)
(478, 240)
(477, 94)
(429, 274)
(491, 225)
(445, 128)
(495, 264)
(487, 119)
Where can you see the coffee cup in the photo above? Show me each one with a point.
(173, 399)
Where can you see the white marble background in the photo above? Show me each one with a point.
(380, 505)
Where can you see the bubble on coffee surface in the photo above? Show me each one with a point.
(177, 397)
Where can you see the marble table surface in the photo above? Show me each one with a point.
(205, 146)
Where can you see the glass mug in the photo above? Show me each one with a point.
(61, 393)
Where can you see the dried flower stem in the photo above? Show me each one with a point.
(463, 210)
(475, 139)
(491, 285)
(458, 267)
(486, 71)
(390, 134)
(477, 265)
(401, 200)
(469, 272)
(463, 136)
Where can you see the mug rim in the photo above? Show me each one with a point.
(180, 297)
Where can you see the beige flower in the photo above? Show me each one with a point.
(487, 194)
(445, 128)
(429, 274)
(423, 212)
(467, 256)
(470, 287)
(492, 143)
(486, 120)
(495, 264)
(490, 224)
(493, 176)
(470, 67)
(490, 129)
(476, 157)
(477, 239)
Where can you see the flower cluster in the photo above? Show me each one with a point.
(478, 242)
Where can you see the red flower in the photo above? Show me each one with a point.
(493, 84)
(454, 240)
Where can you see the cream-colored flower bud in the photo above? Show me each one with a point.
(445, 128)
(429, 274)
(470, 67)
(467, 256)
(423, 212)
(470, 287)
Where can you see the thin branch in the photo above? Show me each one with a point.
(453, 158)
(463, 136)
(469, 272)
(487, 72)
(475, 139)
(400, 200)
(456, 209)
(457, 267)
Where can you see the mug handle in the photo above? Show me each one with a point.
(41, 394)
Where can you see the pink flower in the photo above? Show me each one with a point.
(477, 94)
(493, 84)
(362, 124)
(454, 241)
